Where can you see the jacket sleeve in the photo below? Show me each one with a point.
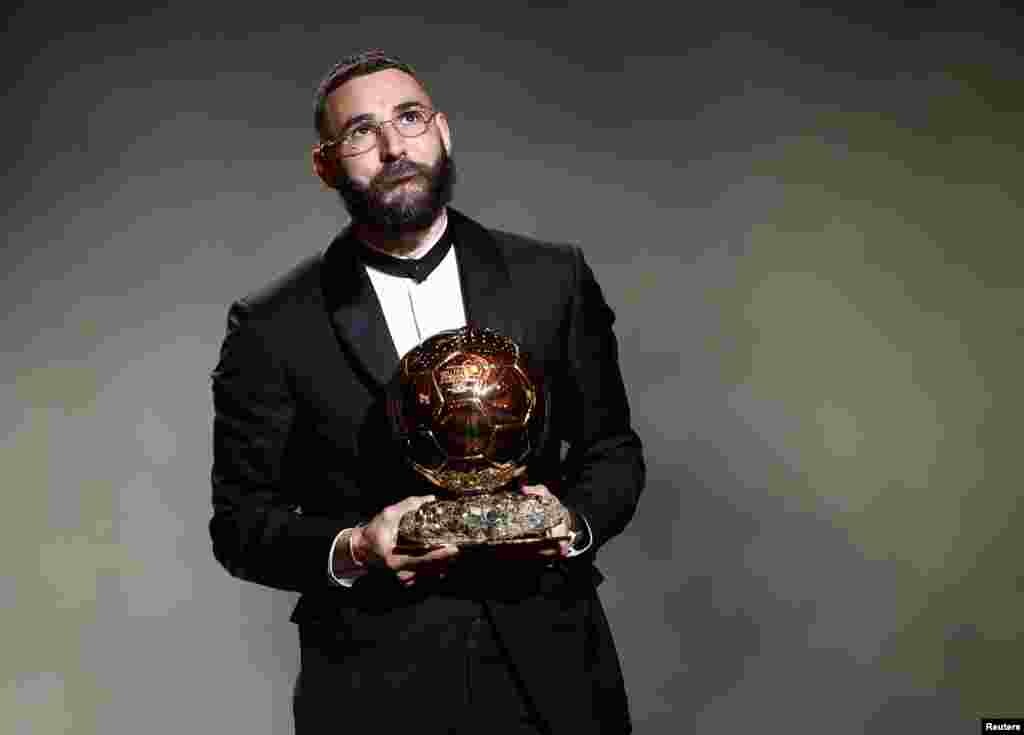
(604, 470)
(257, 529)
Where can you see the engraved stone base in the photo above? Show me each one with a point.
(503, 517)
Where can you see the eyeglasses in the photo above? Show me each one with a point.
(365, 135)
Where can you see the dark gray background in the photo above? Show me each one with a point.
(807, 220)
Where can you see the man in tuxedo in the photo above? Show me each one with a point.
(309, 485)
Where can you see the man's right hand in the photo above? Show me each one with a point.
(374, 545)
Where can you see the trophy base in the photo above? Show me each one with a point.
(495, 519)
(403, 547)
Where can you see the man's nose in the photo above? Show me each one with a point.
(391, 144)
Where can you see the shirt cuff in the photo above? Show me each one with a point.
(349, 578)
(584, 539)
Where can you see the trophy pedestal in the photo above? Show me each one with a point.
(500, 518)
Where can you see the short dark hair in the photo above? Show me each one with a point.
(356, 65)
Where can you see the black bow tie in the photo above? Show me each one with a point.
(417, 269)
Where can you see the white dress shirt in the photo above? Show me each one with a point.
(415, 311)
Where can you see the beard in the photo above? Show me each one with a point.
(388, 202)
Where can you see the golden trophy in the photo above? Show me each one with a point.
(469, 411)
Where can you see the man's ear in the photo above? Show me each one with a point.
(325, 166)
(446, 132)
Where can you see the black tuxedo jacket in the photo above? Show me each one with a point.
(302, 450)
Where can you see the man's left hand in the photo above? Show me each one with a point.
(539, 550)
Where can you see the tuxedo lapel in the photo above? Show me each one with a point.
(484, 276)
(356, 312)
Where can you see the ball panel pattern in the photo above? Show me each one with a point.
(464, 408)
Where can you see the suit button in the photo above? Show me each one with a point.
(476, 629)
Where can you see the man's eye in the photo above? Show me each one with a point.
(412, 116)
(359, 131)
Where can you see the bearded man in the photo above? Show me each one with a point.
(308, 486)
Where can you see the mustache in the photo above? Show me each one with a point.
(398, 170)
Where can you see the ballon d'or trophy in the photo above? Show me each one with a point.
(469, 413)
